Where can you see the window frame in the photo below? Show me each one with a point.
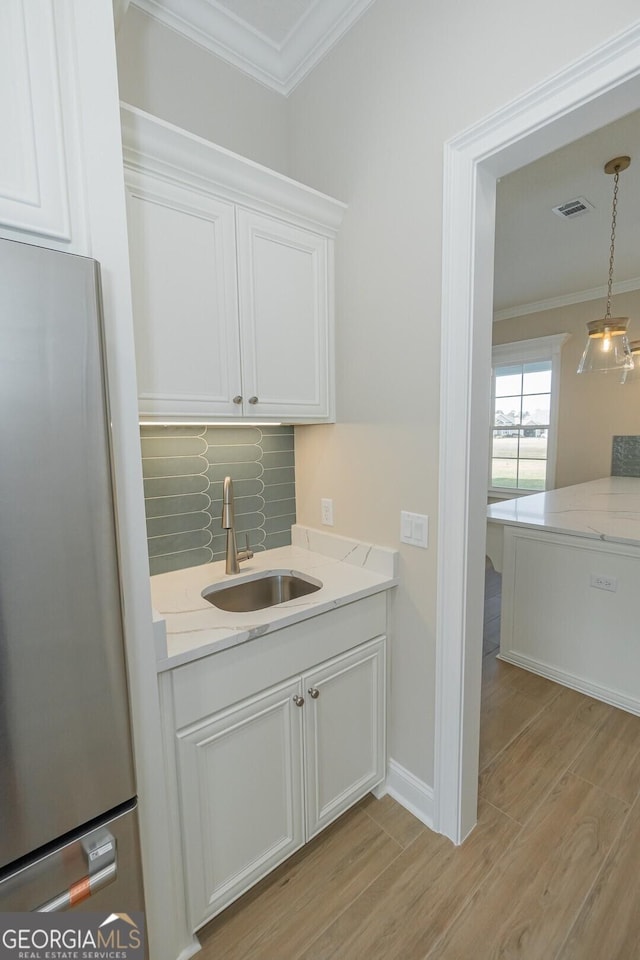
(530, 351)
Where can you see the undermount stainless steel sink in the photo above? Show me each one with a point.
(260, 590)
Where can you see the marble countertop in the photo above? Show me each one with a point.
(607, 509)
(187, 627)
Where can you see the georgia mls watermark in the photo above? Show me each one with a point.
(72, 936)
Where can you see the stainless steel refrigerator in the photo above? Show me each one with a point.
(68, 828)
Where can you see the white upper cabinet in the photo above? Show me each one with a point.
(182, 255)
(284, 317)
(232, 282)
(35, 108)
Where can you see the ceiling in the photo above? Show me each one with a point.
(543, 260)
(277, 42)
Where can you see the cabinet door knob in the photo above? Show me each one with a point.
(253, 399)
(237, 399)
(313, 692)
(298, 700)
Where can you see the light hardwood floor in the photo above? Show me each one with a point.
(551, 872)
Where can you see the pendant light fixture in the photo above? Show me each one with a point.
(607, 342)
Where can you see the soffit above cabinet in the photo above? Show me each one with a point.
(277, 42)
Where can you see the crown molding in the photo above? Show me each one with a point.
(153, 146)
(281, 67)
(315, 35)
(580, 296)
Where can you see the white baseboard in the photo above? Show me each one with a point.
(190, 951)
(410, 792)
(590, 689)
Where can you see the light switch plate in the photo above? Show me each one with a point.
(414, 529)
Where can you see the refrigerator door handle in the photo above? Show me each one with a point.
(80, 890)
(100, 850)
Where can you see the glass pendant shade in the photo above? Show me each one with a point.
(607, 347)
(634, 372)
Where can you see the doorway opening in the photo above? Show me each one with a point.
(600, 88)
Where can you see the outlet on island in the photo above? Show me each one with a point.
(602, 582)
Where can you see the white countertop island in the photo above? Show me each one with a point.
(606, 509)
(570, 561)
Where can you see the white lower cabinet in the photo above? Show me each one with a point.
(343, 733)
(240, 774)
(259, 778)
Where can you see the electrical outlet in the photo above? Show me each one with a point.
(604, 583)
(326, 511)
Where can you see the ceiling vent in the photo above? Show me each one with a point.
(573, 208)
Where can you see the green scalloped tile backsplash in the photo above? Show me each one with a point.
(184, 468)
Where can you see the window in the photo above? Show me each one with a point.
(524, 414)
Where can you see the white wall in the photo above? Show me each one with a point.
(181, 82)
(368, 125)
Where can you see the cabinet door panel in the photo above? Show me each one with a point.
(183, 281)
(284, 317)
(33, 175)
(241, 797)
(344, 733)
